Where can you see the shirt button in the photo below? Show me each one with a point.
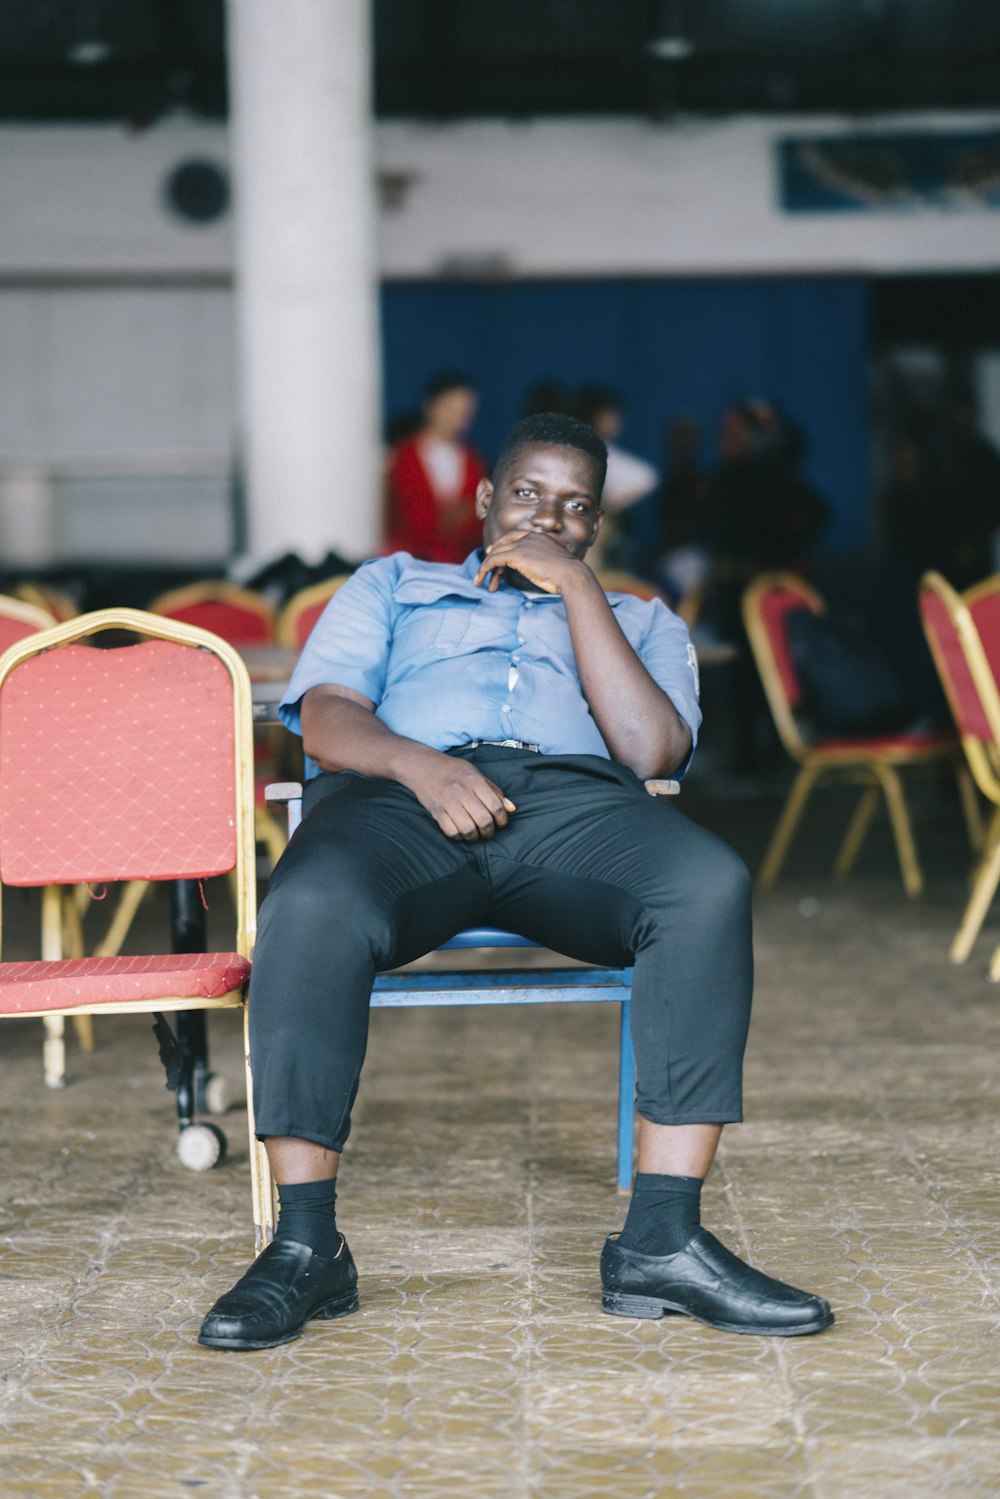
(505, 708)
(527, 603)
(515, 660)
(520, 640)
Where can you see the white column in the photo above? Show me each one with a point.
(306, 285)
(27, 520)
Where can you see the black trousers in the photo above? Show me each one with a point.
(590, 865)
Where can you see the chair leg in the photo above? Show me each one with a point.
(269, 832)
(787, 823)
(261, 1181)
(857, 830)
(72, 947)
(626, 1099)
(54, 1051)
(986, 881)
(129, 902)
(971, 812)
(899, 817)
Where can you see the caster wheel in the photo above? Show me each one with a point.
(201, 1146)
(216, 1095)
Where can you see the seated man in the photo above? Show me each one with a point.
(479, 735)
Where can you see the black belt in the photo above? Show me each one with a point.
(501, 744)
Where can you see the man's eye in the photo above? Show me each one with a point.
(524, 494)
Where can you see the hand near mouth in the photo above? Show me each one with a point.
(531, 559)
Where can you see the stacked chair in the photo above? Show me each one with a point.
(874, 762)
(963, 632)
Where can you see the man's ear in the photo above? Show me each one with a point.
(484, 497)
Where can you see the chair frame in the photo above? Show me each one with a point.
(286, 630)
(875, 767)
(58, 926)
(25, 612)
(983, 759)
(214, 591)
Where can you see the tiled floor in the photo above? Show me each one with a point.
(476, 1195)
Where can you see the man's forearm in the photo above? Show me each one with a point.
(637, 720)
(341, 733)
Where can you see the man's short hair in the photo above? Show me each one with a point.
(552, 429)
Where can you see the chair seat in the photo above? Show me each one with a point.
(77, 983)
(915, 743)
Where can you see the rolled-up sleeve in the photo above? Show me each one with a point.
(350, 642)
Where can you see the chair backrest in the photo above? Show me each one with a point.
(55, 603)
(18, 619)
(128, 762)
(297, 618)
(967, 674)
(236, 614)
(983, 603)
(767, 603)
(613, 580)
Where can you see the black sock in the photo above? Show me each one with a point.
(308, 1215)
(664, 1214)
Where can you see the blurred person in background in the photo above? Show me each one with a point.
(630, 480)
(546, 395)
(682, 514)
(432, 475)
(766, 514)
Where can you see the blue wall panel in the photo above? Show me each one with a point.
(670, 347)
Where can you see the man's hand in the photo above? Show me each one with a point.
(340, 732)
(463, 803)
(535, 557)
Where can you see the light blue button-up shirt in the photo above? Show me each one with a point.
(445, 661)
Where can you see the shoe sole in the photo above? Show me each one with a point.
(341, 1306)
(651, 1308)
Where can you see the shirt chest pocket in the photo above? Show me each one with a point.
(456, 627)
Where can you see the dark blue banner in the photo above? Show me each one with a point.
(858, 173)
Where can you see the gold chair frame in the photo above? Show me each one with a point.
(875, 769)
(983, 759)
(313, 593)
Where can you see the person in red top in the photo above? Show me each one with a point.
(432, 477)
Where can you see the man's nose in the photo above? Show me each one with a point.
(546, 516)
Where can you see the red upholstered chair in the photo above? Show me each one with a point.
(237, 614)
(297, 618)
(152, 741)
(18, 619)
(963, 632)
(53, 601)
(243, 618)
(872, 761)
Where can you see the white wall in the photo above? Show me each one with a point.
(116, 329)
(547, 197)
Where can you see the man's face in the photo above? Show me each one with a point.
(545, 489)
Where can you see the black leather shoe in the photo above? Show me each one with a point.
(706, 1281)
(284, 1287)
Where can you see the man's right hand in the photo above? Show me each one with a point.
(462, 801)
(340, 732)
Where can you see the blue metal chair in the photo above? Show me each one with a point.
(526, 986)
(518, 986)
